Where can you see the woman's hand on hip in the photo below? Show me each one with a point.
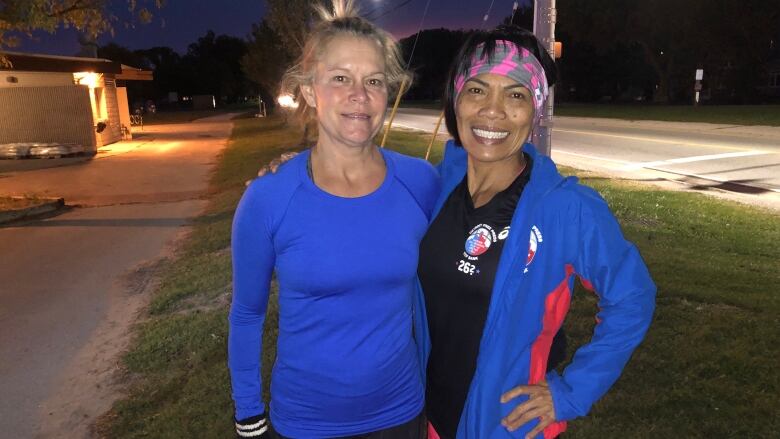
(539, 405)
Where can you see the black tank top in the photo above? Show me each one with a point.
(459, 257)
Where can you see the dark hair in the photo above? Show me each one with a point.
(521, 37)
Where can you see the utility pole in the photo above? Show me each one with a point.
(544, 29)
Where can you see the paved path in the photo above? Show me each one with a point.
(736, 162)
(72, 284)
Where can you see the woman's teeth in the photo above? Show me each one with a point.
(490, 134)
(357, 116)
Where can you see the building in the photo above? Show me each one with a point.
(69, 100)
(772, 88)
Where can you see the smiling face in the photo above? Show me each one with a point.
(494, 116)
(349, 92)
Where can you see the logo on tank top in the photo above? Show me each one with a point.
(479, 240)
(533, 245)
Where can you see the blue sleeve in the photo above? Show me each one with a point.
(614, 269)
(432, 190)
(421, 180)
(253, 263)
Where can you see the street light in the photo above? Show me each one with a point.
(287, 101)
(90, 79)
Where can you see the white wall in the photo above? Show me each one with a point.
(34, 79)
(124, 108)
(46, 114)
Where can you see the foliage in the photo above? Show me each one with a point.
(211, 66)
(91, 17)
(730, 40)
(430, 63)
(265, 60)
(290, 20)
(276, 42)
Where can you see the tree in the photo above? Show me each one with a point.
(123, 55)
(169, 74)
(265, 60)
(290, 20)
(729, 39)
(213, 66)
(138, 91)
(523, 16)
(436, 48)
(91, 17)
(276, 42)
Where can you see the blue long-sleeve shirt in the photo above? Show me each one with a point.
(346, 359)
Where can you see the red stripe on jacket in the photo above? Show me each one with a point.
(556, 305)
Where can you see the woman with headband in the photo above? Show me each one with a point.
(499, 260)
(340, 226)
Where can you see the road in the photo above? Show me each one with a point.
(741, 162)
(73, 284)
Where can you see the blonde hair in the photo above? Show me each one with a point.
(341, 20)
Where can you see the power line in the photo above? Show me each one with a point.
(419, 31)
(487, 14)
(399, 6)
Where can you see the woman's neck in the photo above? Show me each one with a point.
(486, 179)
(347, 171)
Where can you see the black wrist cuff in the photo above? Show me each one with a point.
(254, 427)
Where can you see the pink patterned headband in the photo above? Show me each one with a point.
(519, 65)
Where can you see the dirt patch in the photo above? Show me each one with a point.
(90, 384)
(15, 203)
(19, 208)
(209, 301)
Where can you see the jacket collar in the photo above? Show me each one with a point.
(544, 178)
(544, 175)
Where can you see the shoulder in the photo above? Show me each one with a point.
(281, 184)
(418, 176)
(268, 196)
(412, 167)
(580, 209)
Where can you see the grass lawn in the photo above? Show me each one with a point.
(706, 369)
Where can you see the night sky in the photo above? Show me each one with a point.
(181, 22)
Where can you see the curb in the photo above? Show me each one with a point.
(47, 206)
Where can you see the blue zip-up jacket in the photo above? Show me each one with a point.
(560, 230)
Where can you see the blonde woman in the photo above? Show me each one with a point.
(340, 226)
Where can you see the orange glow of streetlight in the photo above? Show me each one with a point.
(90, 79)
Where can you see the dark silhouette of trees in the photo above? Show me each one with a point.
(276, 41)
(436, 48)
(212, 65)
(90, 17)
(266, 59)
(730, 40)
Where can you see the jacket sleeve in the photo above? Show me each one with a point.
(253, 263)
(612, 266)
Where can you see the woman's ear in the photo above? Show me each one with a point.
(308, 94)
